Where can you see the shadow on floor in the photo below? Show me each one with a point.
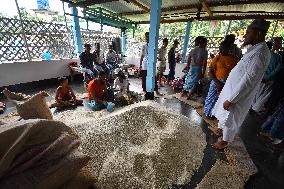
(268, 159)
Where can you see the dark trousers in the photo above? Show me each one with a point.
(277, 93)
(172, 73)
(144, 76)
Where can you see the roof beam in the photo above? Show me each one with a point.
(167, 9)
(87, 3)
(206, 7)
(140, 5)
(221, 17)
(212, 4)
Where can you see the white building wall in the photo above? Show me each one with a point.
(24, 72)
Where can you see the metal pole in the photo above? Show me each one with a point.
(76, 31)
(229, 27)
(123, 42)
(66, 25)
(23, 31)
(274, 29)
(155, 18)
(64, 13)
(186, 40)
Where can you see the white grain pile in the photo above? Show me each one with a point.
(140, 146)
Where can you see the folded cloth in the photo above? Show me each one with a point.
(35, 107)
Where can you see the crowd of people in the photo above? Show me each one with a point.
(104, 81)
(243, 83)
(239, 83)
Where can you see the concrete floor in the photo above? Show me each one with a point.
(268, 159)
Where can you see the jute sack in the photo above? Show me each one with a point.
(35, 107)
(50, 175)
(57, 161)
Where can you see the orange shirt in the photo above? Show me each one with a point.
(223, 65)
(98, 89)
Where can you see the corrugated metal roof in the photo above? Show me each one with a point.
(180, 10)
(119, 6)
(268, 7)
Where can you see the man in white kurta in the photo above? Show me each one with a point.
(242, 84)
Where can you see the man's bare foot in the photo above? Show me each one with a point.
(220, 145)
(216, 131)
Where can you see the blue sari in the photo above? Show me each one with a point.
(211, 99)
(192, 78)
(275, 125)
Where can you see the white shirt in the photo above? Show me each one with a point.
(162, 57)
(111, 57)
(240, 89)
(145, 54)
(99, 59)
(122, 87)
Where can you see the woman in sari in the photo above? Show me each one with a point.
(196, 66)
(219, 70)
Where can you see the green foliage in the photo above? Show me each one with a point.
(238, 27)
(60, 18)
(27, 16)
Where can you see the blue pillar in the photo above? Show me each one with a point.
(123, 42)
(186, 40)
(76, 30)
(155, 18)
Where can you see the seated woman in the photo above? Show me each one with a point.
(219, 70)
(98, 91)
(65, 96)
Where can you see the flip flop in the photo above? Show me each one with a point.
(214, 146)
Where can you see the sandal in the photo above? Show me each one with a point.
(219, 146)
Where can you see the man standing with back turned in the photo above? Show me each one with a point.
(242, 84)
